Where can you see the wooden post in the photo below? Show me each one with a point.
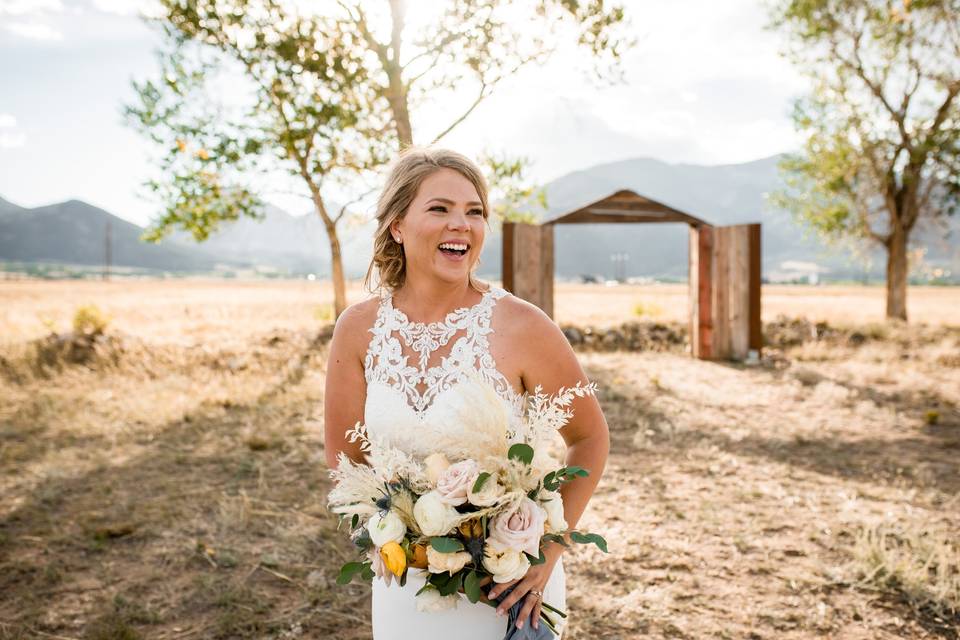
(528, 263)
(701, 291)
(756, 264)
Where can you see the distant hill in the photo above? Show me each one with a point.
(721, 195)
(74, 232)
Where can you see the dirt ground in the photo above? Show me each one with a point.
(172, 484)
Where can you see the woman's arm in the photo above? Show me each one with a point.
(551, 363)
(346, 387)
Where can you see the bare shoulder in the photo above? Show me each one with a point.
(351, 332)
(522, 320)
(528, 328)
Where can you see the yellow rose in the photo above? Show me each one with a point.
(394, 557)
(419, 553)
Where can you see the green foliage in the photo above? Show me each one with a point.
(881, 142)
(321, 93)
(589, 538)
(522, 452)
(351, 570)
(446, 545)
(471, 586)
(481, 479)
(514, 199)
(553, 480)
(90, 320)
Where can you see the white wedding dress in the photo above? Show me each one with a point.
(412, 370)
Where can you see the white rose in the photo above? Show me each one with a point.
(505, 565)
(489, 493)
(456, 480)
(386, 528)
(438, 562)
(430, 600)
(433, 516)
(436, 463)
(552, 503)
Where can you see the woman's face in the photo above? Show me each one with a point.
(443, 229)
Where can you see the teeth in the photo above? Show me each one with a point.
(456, 247)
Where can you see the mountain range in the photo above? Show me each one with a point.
(73, 232)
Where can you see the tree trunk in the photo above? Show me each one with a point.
(336, 258)
(897, 273)
(336, 266)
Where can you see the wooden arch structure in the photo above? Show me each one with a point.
(724, 268)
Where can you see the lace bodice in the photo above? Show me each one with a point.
(412, 368)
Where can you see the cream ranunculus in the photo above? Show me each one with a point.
(489, 493)
(505, 565)
(456, 481)
(552, 503)
(430, 600)
(433, 515)
(436, 464)
(438, 562)
(519, 529)
(386, 528)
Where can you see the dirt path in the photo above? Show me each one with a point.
(179, 493)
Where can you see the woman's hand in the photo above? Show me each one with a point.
(536, 580)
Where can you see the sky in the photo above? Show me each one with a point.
(703, 85)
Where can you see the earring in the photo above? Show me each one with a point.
(398, 240)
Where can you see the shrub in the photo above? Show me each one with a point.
(89, 320)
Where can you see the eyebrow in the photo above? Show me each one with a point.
(449, 201)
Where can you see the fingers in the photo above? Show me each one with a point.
(535, 614)
(496, 590)
(530, 602)
(518, 592)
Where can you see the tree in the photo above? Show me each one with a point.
(882, 124)
(329, 96)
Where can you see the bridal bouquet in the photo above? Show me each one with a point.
(481, 504)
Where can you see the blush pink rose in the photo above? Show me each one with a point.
(455, 481)
(519, 529)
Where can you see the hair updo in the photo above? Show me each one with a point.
(409, 171)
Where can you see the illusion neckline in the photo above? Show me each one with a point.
(484, 296)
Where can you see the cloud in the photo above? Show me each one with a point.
(33, 31)
(10, 138)
(126, 7)
(29, 7)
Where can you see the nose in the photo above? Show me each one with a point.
(458, 221)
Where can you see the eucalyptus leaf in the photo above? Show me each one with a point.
(588, 538)
(522, 452)
(349, 570)
(482, 478)
(446, 545)
(471, 585)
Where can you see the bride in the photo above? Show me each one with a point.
(395, 361)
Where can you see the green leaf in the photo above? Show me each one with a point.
(471, 585)
(522, 452)
(354, 521)
(540, 559)
(555, 537)
(453, 585)
(349, 570)
(577, 471)
(480, 480)
(588, 538)
(446, 545)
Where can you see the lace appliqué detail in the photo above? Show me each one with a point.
(386, 363)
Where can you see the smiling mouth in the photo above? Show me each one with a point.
(454, 252)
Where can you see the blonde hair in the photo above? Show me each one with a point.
(409, 171)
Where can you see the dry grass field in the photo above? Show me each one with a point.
(168, 481)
